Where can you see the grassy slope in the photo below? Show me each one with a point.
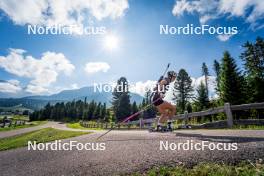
(206, 169)
(78, 126)
(32, 124)
(40, 136)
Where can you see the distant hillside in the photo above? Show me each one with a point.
(14, 108)
(37, 102)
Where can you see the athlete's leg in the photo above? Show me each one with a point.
(163, 117)
(167, 108)
(170, 112)
(164, 113)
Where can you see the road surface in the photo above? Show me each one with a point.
(132, 151)
(57, 125)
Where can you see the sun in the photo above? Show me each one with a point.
(111, 42)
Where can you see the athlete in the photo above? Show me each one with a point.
(166, 109)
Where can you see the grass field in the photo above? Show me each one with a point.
(206, 169)
(31, 124)
(248, 127)
(78, 126)
(40, 136)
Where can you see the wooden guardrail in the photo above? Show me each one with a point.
(227, 109)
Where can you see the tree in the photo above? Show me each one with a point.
(253, 57)
(183, 90)
(47, 111)
(205, 73)
(91, 110)
(108, 117)
(189, 107)
(121, 99)
(151, 111)
(202, 100)
(97, 111)
(231, 81)
(217, 73)
(103, 112)
(134, 108)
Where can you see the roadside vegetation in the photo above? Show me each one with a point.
(15, 117)
(248, 127)
(77, 125)
(27, 125)
(40, 136)
(208, 169)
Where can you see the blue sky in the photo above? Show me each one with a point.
(141, 53)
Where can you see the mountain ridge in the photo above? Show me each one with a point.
(64, 96)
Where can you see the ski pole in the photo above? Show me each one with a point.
(130, 117)
(137, 113)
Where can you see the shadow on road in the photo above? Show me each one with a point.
(238, 139)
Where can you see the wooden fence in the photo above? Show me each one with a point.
(227, 109)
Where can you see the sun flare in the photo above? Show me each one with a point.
(111, 42)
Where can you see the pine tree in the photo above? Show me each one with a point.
(202, 100)
(183, 90)
(231, 81)
(189, 107)
(205, 73)
(47, 111)
(217, 73)
(91, 110)
(134, 108)
(253, 58)
(108, 116)
(103, 112)
(121, 100)
(151, 111)
(97, 112)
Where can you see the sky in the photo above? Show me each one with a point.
(131, 44)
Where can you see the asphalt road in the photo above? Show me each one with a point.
(57, 125)
(132, 151)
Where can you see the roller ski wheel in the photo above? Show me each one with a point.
(160, 129)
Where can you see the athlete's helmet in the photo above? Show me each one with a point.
(171, 74)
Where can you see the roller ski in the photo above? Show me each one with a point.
(162, 129)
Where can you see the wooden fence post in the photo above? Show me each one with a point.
(141, 123)
(228, 115)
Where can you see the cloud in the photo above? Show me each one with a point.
(195, 83)
(75, 86)
(10, 86)
(42, 72)
(94, 67)
(141, 87)
(250, 10)
(63, 12)
(224, 37)
(36, 89)
(211, 84)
